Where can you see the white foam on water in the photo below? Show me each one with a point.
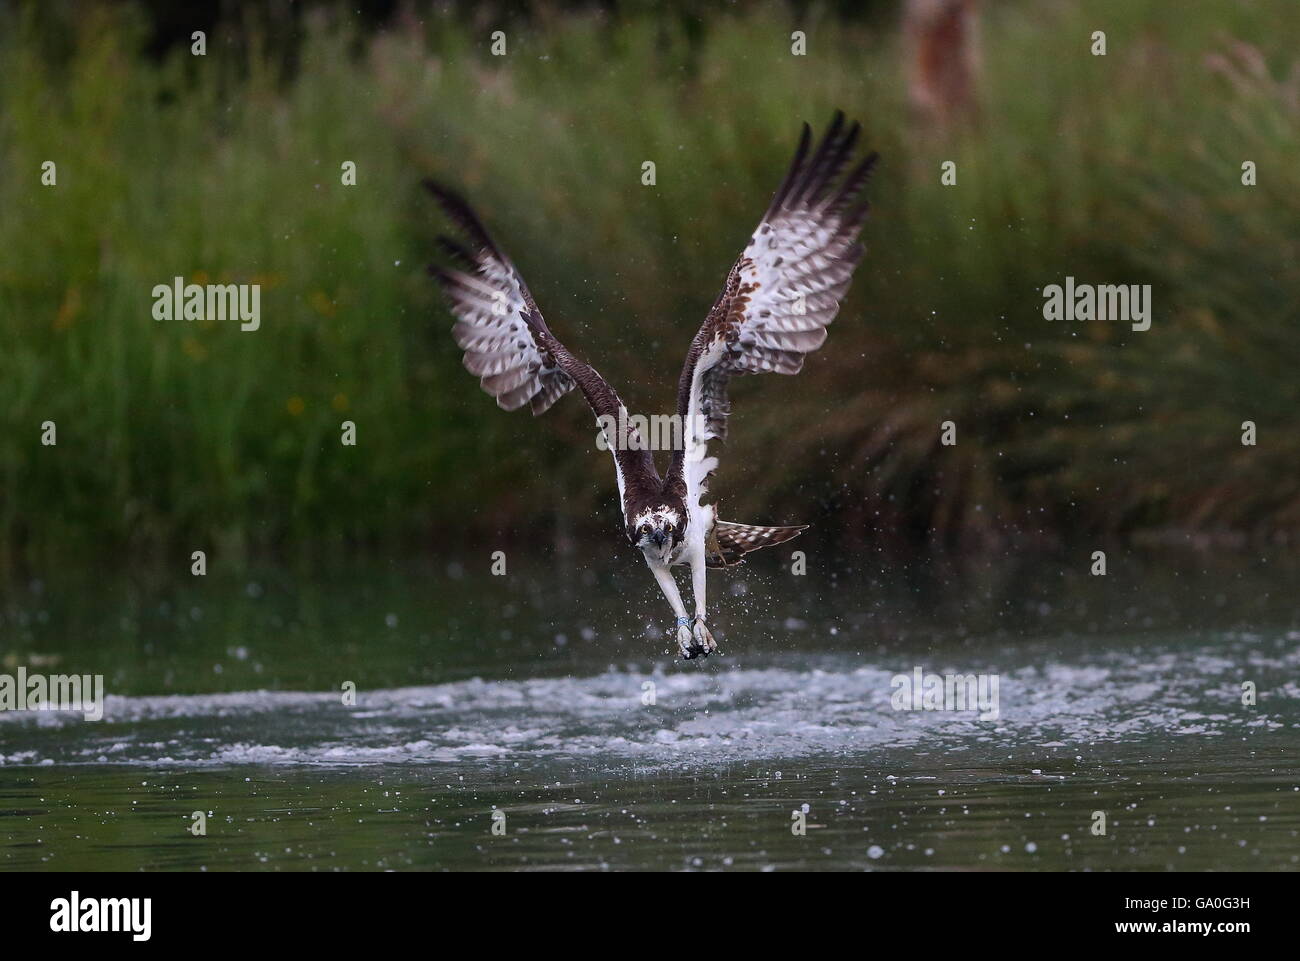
(698, 715)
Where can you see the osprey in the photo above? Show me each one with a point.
(774, 308)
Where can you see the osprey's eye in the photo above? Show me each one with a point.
(645, 528)
(668, 528)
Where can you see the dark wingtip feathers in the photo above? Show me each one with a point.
(801, 152)
(811, 179)
(456, 252)
(443, 193)
(462, 214)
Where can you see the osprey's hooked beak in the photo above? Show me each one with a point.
(658, 537)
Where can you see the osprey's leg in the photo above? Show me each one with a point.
(699, 574)
(669, 586)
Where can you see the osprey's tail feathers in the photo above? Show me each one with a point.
(734, 541)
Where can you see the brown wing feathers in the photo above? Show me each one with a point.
(489, 298)
(787, 285)
(778, 299)
(509, 346)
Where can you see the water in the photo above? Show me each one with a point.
(549, 696)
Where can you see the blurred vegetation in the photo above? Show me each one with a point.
(226, 168)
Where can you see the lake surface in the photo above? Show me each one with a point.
(549, 695)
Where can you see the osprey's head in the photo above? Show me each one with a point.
(658, 529)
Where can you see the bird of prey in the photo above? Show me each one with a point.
(774, 308)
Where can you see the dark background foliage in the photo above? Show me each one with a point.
(226, 168)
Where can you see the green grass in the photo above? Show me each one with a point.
(1116, 169)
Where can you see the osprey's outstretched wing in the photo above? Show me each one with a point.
(488, 298)
(514, 354)
(779, 296)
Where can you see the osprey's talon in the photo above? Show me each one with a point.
(684, 639)
(703, 637)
